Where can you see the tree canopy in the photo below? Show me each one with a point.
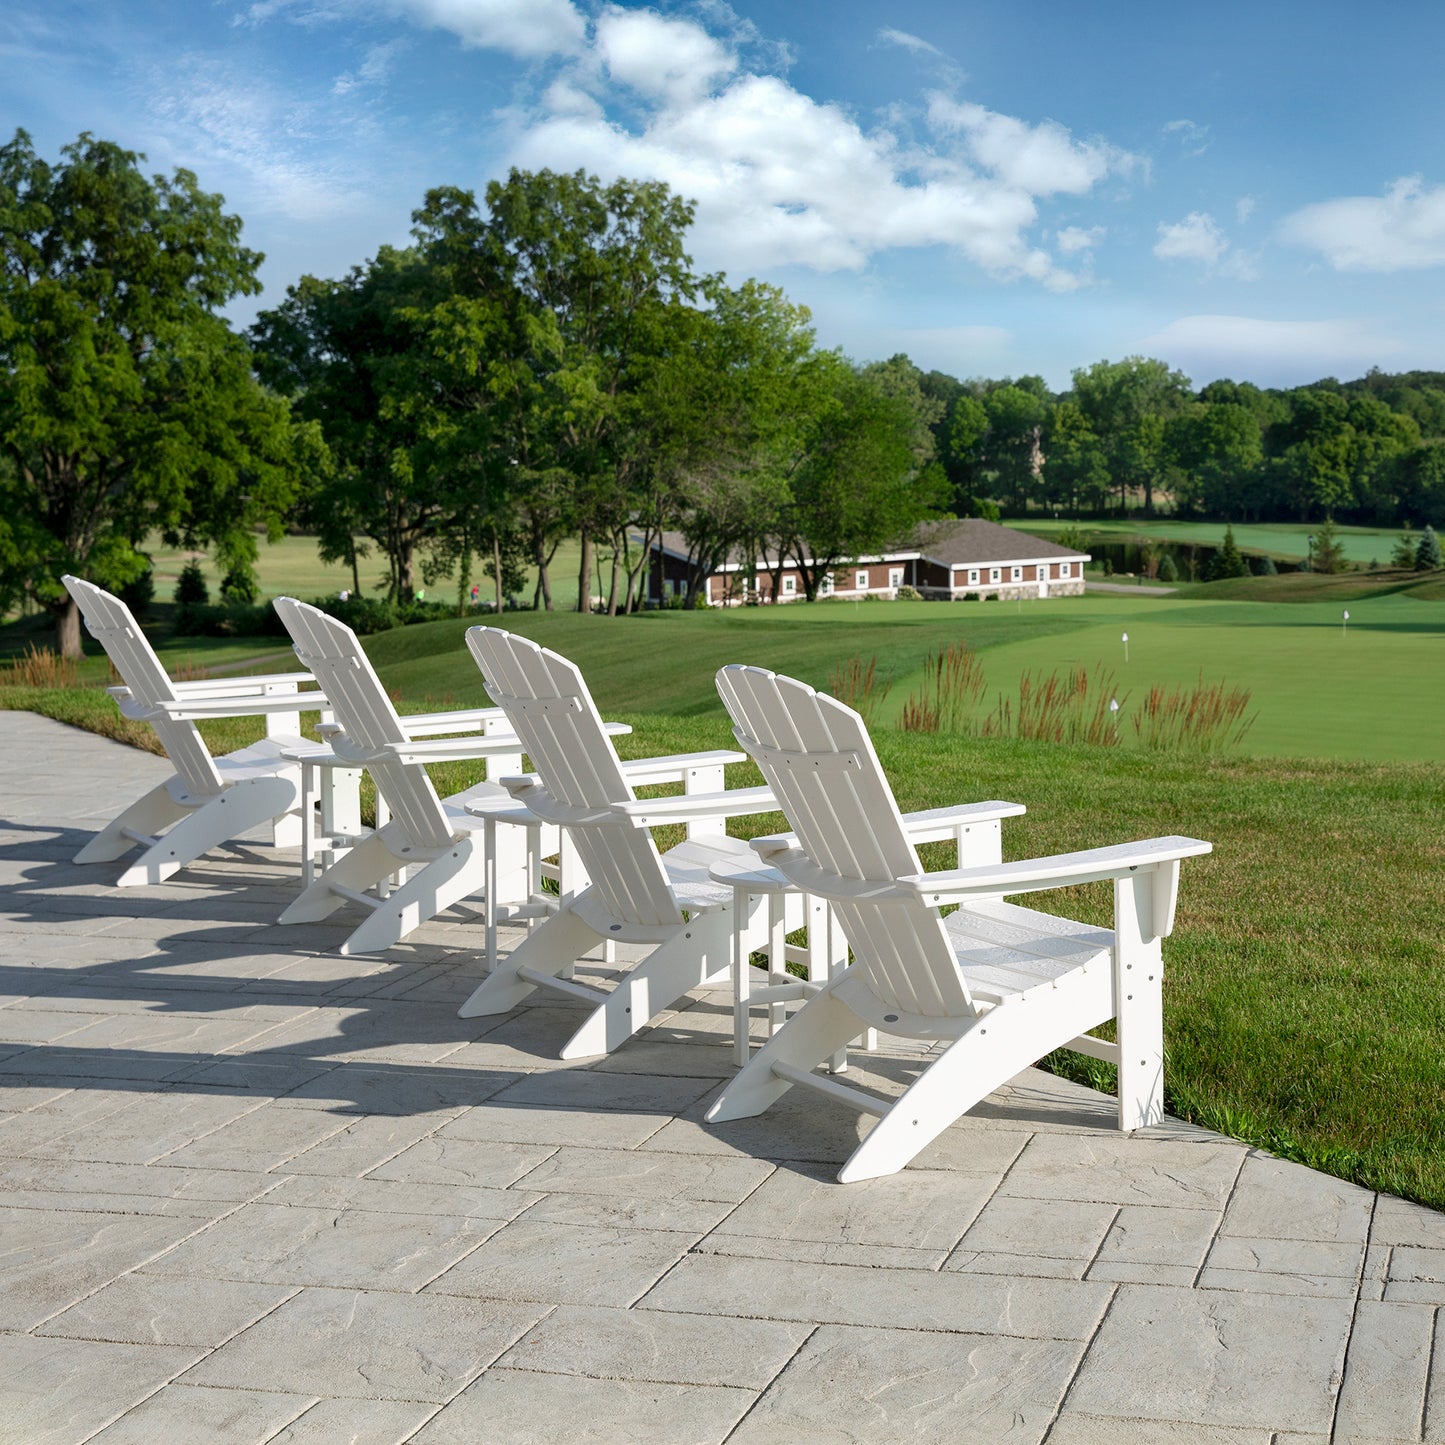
(127, 404)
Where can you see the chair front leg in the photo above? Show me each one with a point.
(1139, 1001)
(147, 816)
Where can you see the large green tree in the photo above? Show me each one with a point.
(127, 404)
(1128, 405)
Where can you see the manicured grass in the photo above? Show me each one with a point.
(1288, 540)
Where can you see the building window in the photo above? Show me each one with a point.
(895, 576)
(1063, 569)
(994, 574)
(825, 584)
(972, 575)
(1018, 574)
(860, 581)
(789, 585)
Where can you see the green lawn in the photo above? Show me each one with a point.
(1289, 540)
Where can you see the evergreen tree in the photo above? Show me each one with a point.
(1406, 550)
(1228, 561)
(1427, 558)
(1329, 553)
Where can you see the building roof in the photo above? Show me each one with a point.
(950, 542)
(970, 541)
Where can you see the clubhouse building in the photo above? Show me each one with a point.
(957, 559)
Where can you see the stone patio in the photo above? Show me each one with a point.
(253, 1191)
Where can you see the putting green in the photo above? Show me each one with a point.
(1372, 688)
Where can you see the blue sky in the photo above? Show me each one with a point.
(1255, 191)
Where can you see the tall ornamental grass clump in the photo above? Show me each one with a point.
(953, 685)
(857, 684)
(1207, 718)
(1079, 707)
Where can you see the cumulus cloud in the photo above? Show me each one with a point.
(1400, 231)
(528, 29)
(1279, 353)
(1039, 159)
(1196, 238)
(1199, 238)
(779, 177)
(1073, 239)
(672, 61)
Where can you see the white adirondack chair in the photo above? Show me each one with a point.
(209, 799)
(476, 841)
(635, 894)
(999, 985)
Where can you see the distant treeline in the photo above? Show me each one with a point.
(1134, 434)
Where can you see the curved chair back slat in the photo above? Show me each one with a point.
(333, 654)
(110, 622)
(552, 712)
(817, 756)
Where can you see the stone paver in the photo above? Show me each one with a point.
(252, 1190)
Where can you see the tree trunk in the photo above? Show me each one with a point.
(584, 576)
(615, 581)
(355, 573)
(67, 628)
(497, 567)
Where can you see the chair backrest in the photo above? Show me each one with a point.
(330, 651)
(109, 621)
(816, 755)
(552, 712)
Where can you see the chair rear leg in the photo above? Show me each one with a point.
(240, 808)
(363, 867)
(549, 948)
(816, 1032)
(697, 951)
(148, 815)
(432, 889)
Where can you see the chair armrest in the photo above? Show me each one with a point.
(437, 750)
(241, 686)
(674, 769)
(186, 710)
(935, 825)
(693, 807)
(1061, 870)
(460, 720)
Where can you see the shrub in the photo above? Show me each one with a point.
(39, 667)
(191, 589)
(239, 586)
(1405, 551)
(1263, 566)
(1168, 568)
(362, 615)
(1228, 561)
(908, 594)
(1427, 555)
(1329, 551)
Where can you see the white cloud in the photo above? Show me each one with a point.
(914, 43)
(666, 60)
(375, 69)
(237, 124)
(1279, 353)
(1244, 209)
(1073, 239)
(1199, 238)
(1040, 159)
(529, 29)
(1193, 138)
(1196, 238)
(1402, 230)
